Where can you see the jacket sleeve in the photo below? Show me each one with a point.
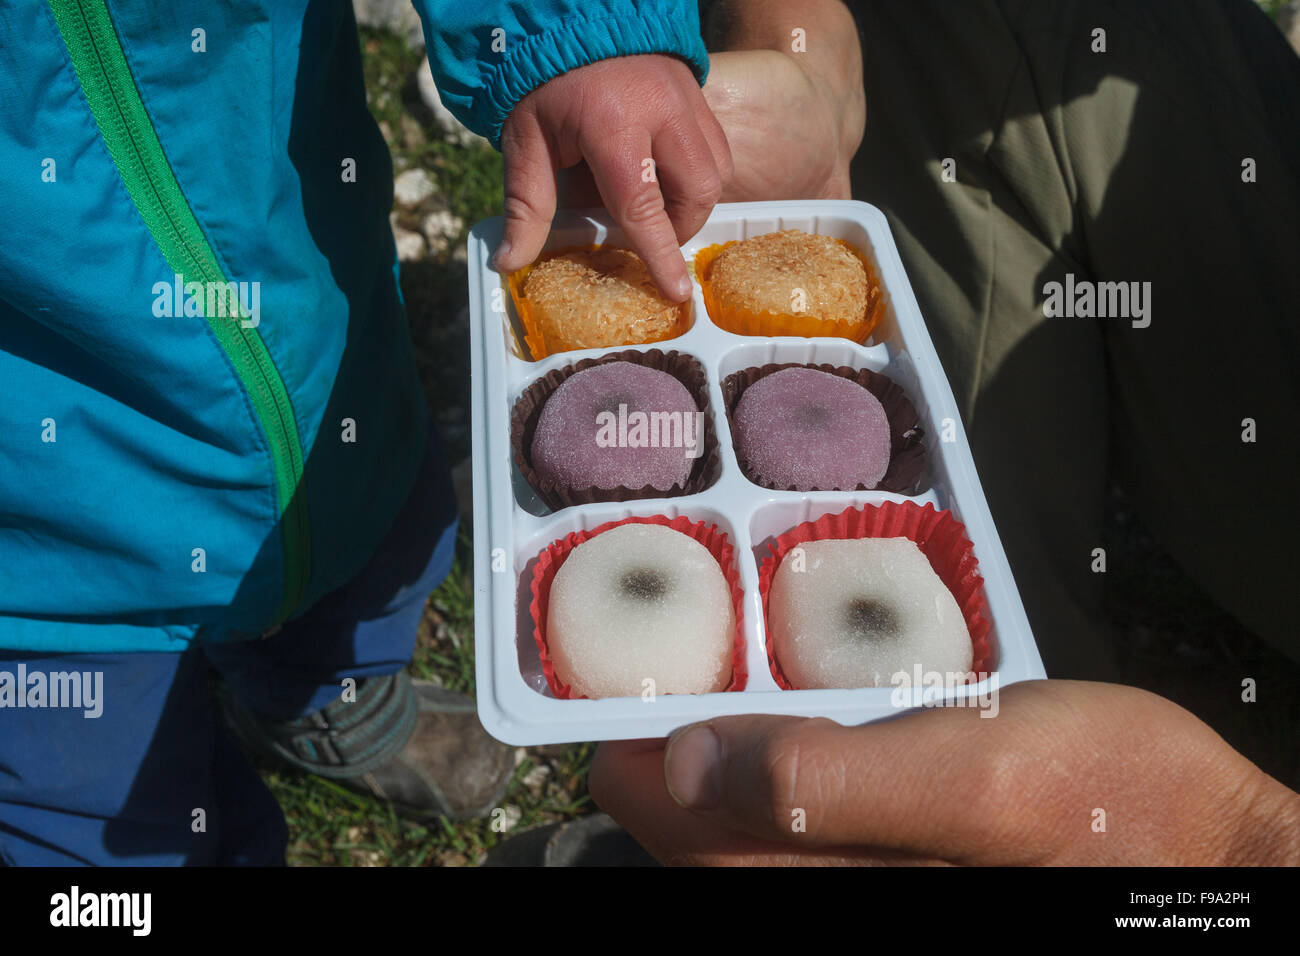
(486, 55)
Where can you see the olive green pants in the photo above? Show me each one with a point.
(1011, 150)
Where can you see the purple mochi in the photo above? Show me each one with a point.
(806, 429)
(584, 440)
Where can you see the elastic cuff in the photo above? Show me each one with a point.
(577, 43)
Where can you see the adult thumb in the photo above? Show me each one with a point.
(904, 785)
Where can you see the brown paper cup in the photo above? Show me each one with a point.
(528, 409)
(906, 451)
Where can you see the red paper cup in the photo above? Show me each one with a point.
(709, 535)
(941, 538)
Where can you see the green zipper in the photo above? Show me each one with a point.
(106, 80)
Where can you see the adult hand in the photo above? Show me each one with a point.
(788, 91)
(786, 127)
(655, 150)
(1066, 772)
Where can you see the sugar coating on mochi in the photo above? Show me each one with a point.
(805, 428)
(641, 602)
(618, 424)
(862, 610)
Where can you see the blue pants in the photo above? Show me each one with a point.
(125, 787)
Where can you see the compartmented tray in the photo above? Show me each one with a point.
(512, 525)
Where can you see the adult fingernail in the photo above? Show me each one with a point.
(693, 768)
(683, 288)
(499, 256)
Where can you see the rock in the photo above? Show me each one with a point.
(359, 856)
(410, 245)
(412, 134)
(452, 127)
(396, 15)
(507, 821)
(594, 840)
(1288, 18)
(440, 228)
(412, 187)
(552, 750)
(535, 779)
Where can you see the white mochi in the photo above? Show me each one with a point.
(637, 603)
(862, 610)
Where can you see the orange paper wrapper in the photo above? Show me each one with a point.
(528, 411)
(550, 561)
(941, 538)
(746, 322)
(539, 347)
(906, 451)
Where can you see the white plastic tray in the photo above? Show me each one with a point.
(511, 526)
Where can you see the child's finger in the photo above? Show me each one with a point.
(688, 175)
(577, 189)
(529, 194)
(623, 167)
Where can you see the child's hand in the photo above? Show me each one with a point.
(655, 150)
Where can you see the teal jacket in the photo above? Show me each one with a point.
(209, 411)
